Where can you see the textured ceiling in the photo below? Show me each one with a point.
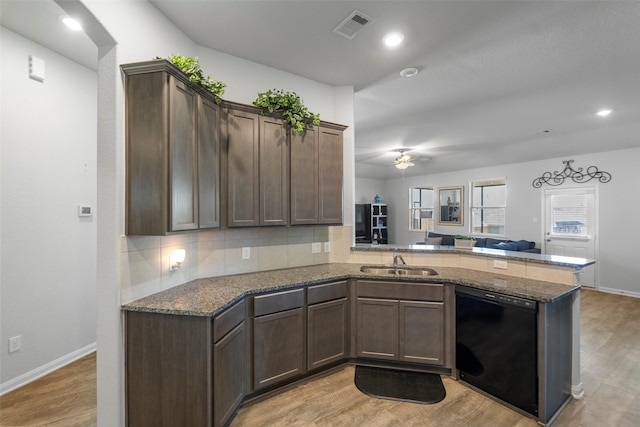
(494, 75)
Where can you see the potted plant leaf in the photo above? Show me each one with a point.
(290, 106)
(191, 67)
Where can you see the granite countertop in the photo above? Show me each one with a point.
(563, 261)
(209, 296)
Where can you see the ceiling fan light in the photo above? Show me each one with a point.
(403, 165)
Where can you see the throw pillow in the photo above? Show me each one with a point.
(433, 241)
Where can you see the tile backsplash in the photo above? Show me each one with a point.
(145, 266)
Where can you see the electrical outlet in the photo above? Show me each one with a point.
(502, 265)
(246, 253)
(327, 246)
(316, 247)
(15, 344)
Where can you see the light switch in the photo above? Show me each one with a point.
(85, 210)
(316, 247)
(36, 68)
(246, 253)
(500, 264)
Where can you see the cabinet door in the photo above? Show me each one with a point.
(183, 157)
(327, 333)
(168, 370)
(278, 347)
(377, 328)
(242, 169)
(422, 332)
(330, 176)
(209, 164)
(146, 198)
(229, 374)
(304, 177)
(274, 172)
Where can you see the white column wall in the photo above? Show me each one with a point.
(48, 255)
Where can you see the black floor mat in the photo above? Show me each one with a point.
(417, 387)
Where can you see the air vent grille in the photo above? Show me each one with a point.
(352, 24)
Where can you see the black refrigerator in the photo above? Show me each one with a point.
(363, 223)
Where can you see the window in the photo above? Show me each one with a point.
(488, 206)
(570, 213)
(421, 201)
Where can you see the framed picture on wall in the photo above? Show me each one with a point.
(451, 205)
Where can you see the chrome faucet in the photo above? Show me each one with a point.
(396, 257)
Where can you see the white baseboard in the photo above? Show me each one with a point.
(45, 369)
(619, 292)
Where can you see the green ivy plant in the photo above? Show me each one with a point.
(459, 237)
(191, 67)
(290, 106)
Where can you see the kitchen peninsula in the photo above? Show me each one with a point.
(196, 352)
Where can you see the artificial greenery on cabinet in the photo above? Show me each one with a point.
(191, 67)
(290, 106)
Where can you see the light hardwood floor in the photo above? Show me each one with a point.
(64, 398)
(611, 375)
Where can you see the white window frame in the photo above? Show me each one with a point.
(472, 203)
(417, 211)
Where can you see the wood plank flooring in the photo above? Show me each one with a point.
(610, 365)
(64, 398)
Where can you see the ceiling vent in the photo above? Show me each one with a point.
(353, 24)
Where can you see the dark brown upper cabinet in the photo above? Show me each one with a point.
(316, 175)
(274, 172)
(330, 161)
(257, 164)
(243, 168)
(172, 151)
(275, 177)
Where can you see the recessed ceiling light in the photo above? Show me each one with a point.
(71, 23)
(604, 112)
(409, 72)
(393, 39)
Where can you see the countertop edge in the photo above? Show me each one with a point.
(561, 261)
(165, 302)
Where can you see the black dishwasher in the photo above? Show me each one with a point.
(496, 348)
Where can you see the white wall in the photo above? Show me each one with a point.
(48, 256)
(618, 206)
(366, 190)
(132, 267)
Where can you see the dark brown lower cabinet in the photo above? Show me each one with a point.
(196, 371)
(377, 328)
(326, 333)
(230, 370)
(421, 328)
(403, 330)
(278, 347)
(168, 370)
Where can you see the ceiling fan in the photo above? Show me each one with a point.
(402, 158)
(403, 161)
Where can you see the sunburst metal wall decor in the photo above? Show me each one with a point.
(576, 175)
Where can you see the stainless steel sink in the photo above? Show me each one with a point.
(398, 271)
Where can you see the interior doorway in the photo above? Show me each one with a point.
(571, 226)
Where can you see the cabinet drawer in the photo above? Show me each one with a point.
(400, 291)
(326, 292)
(229, 319)
(281, 301)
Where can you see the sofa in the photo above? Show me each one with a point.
(483, 242)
